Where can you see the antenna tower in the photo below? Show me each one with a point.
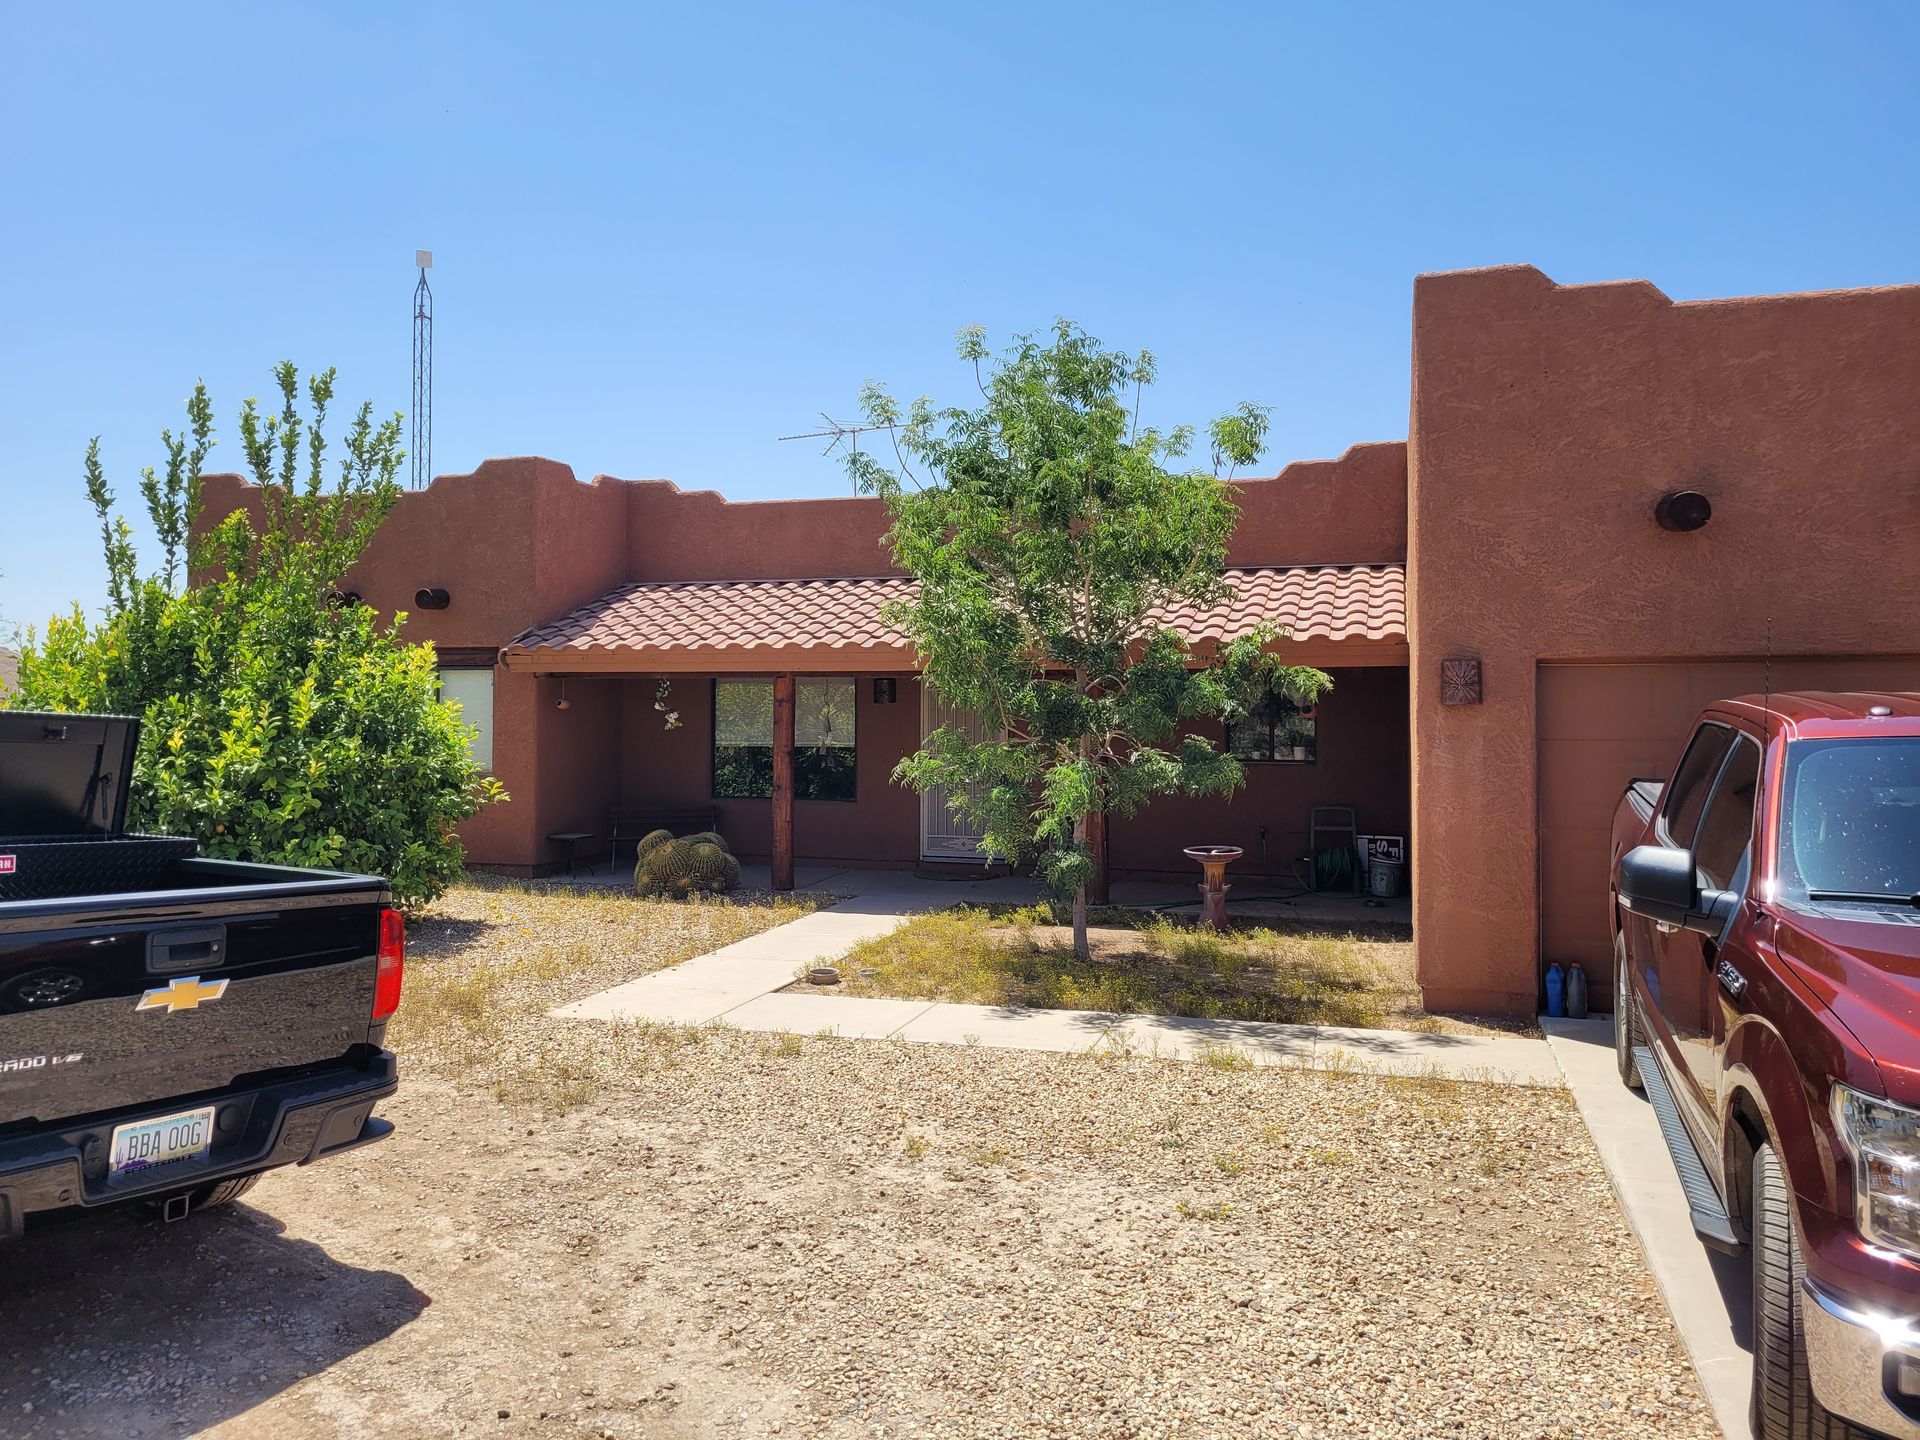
(422, 373)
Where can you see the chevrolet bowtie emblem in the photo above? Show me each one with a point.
(182, 994)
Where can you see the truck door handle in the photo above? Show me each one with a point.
(187, 947)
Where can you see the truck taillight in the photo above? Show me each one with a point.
(392, 964)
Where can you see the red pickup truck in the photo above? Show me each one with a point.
(1767, 996)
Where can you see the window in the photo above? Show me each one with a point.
(1275, 729)
(1726, 830)
(1851, 821)
(472, 691)
(1686, 797)
(823, 748)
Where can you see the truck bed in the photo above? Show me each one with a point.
(216, 972)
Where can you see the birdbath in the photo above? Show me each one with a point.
(1214, 860)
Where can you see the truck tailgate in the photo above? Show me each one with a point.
(172, 996)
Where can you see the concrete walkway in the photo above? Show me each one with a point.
(1707, 1292)
(736, 986)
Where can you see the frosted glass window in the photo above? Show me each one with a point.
(472, 691)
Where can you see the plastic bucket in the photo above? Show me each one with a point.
(1385, 878)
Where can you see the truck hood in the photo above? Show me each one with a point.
(1863, 963)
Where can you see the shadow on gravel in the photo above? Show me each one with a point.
(437, 937)
(116, 1324)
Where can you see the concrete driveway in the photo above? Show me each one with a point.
(1709, 1293)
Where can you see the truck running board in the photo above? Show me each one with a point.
(1710, 1219)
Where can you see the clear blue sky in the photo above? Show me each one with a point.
(665, 236)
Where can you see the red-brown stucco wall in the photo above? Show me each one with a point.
(1349, 511)
(1546, 422)
(520, 541)
(675, 534)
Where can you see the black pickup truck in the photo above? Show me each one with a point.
(171, 1026)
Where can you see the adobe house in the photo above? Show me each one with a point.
(1518, 615)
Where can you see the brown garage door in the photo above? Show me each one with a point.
(1601, 725)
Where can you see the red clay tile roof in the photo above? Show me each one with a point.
(683, 622)
(1309, 602)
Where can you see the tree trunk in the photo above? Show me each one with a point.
(1096, 830)
(1091, 832)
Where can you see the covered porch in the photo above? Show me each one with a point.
(792, 701)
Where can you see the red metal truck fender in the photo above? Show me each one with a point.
(1764, 1096)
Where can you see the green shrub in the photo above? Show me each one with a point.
(282, 723)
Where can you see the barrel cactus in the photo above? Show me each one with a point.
(714, 870)
(694, 864)
(652, 839)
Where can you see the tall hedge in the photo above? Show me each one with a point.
(282, 722)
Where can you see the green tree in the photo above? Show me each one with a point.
(1049, 534)
(282, 723)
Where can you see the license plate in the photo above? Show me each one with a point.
(146, 1143)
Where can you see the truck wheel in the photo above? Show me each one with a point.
(1784, 1407)
(1626, 1022)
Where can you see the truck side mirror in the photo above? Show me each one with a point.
(1711, 911)
(1657, 883)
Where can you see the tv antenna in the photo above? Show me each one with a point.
(422, 373)
(836, 434)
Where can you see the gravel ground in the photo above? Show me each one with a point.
(493, 953)
(707, 1233)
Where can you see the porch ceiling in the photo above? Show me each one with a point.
(1333, 614)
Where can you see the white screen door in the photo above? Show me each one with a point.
(945, 835)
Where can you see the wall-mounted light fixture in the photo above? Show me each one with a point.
(1682, 510)
(885, 690)
(432, 598)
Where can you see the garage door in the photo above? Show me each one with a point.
(1601, 725)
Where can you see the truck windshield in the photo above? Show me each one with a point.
(1850, 820)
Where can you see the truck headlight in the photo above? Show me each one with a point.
(1884, 1140)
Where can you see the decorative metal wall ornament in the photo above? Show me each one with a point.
(1459, 681)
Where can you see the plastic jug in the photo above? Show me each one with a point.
(1556, 991)
(1576, 993)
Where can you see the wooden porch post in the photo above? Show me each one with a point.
(783, 782)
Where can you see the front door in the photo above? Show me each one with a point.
(1679, 985)
(945, 834)
(1686, 960)
(1722, 860)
